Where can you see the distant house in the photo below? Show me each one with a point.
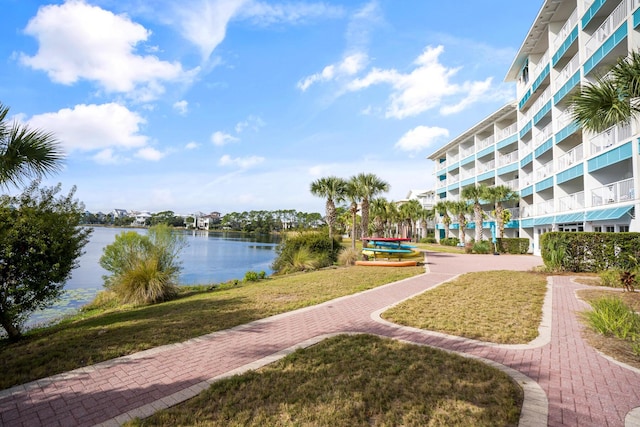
(202, 221)
(141, 218)
(119, 213)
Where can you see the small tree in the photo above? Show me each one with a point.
(144, 269)
(40, 243)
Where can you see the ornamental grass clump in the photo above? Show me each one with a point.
(612, 317)
(144, 269)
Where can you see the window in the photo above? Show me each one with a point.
(623, 228)
(597, 229)
(610, 229)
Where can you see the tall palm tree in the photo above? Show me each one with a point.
(442, 207)
(426, 216)
(475, 194)
(370, 185)
(353, 193)
(612, 99)
(379, 210)
(498, 195)
(333, 189)
(25, 153)
(411, 212)
(460, 209)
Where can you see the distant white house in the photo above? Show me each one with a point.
(202, 221)
(119, 213)
(141, 218)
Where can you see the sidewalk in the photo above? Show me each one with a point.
(582, 387)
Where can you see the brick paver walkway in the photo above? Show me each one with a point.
(583, 388)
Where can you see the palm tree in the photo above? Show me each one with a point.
(426, 216)
(498, 195)
(369, 186)
(460, 209)
(379, 210)
(353, 193)
(333, 189)
(475, 194)
(25, 153)
(442, 207)
(411, 213)
(612, 99)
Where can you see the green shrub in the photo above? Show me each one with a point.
(610, 278)
(514, 246)
(306, 251)
(429, 239)
(450, 241)
(611, 316)
(144, 269)
(254, 276)
(482, 247)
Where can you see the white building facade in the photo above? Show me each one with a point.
(568, 179)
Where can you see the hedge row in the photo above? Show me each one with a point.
(506, 245)
(589, 252)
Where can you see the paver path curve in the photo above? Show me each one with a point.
(583, 388)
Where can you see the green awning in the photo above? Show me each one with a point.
(572, 217)
(605, 214)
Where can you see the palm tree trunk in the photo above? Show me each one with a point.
(478, 219)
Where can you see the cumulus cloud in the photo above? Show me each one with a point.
(107, 156)
(349, 66)
(191, 145)
(94, 127)
(420, 138)
(253, 123)
(182, 107)
(79, 41)
(220, 138)
(150, 153)
(241, 162)
(423, 88)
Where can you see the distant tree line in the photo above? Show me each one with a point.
(270, 221)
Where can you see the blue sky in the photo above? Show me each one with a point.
(234, 105)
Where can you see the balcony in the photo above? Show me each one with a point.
(505, 159)
(453, 179)
(542, 100)
(467, 174)
(615, 192)
(526, 211)
(513, 184)
(441, 184)
(613, 21)
(542, 62)
(525, 149)
(484, 143)
(526, 118)
(564, 119)
(526, 180)
(571, 202)
(573, 156)
(543, 135)
(515, 212)
(609, 137)
(487, 166)
(508, 131)
(544, 208)
(464, 152)
(452, 159)
(565, 30)
(544, 171)
(567, 72)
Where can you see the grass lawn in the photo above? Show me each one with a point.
(358, 380)
(94, 337)
(495, 306)
(615, 347)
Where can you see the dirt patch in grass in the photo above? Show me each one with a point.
(494, 306)
(356, 381)
(611, 346)
(94, 337)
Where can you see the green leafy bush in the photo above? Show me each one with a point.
(482, 247)
(514, 246)
(450, 241)
(589, 252)
(254, 276)
(306, 251)
(144, 269)
(429, 239)
(610, 278)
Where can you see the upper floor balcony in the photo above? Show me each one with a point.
(544, 208)
(467, 174)
(543, 135)
(526, 179)
(515, 212)
(609, 137)
(486, 166)
(452, 159)
(527, 211)
(512, 184)
(464, 152)
(525, 118)
(571, 202)
(571, 157)
(544, 171)
(567, 72)
(564, 119)
(620, 191)
(542, 100)
(505, 159)
(610, 24)
(509, 130)
(565, 30)
(484, 143)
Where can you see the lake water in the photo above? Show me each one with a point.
(207, 258)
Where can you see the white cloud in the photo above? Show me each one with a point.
(182, 107)
(94, 127)
(424, 88)
(241, 162)
(349, 66)
(79, 41)
(191, 145)
(220, 138)
(150, 153)
(420, 138)
(253, 123)
(107, 156)
(292, 13)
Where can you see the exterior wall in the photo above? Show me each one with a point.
(568, 179)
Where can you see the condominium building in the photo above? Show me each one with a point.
(568, 179)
